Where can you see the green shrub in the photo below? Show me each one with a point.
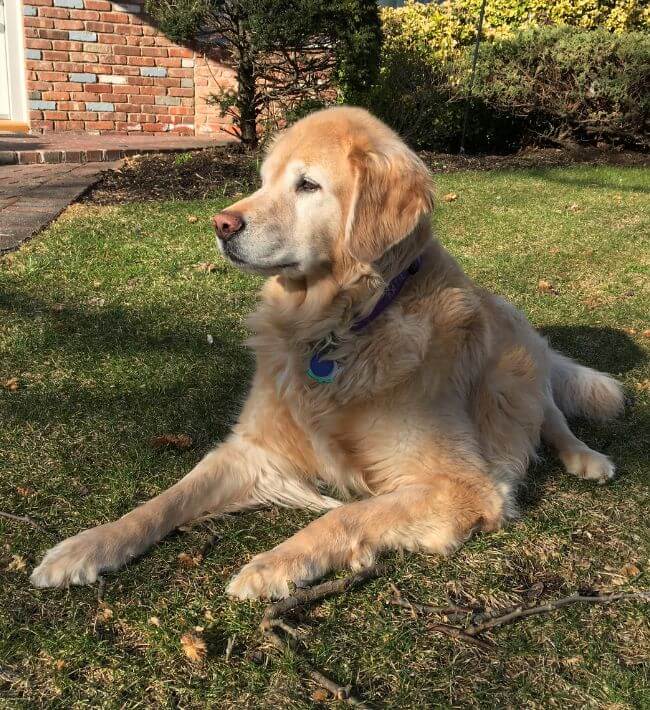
(285, 53)
(584, 85)
(439, 31)
(553, 83)
(425, 105)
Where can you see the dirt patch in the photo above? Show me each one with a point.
(533, 158)
(178, 176)
(231, 171)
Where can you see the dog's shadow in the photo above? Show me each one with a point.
(606, 349)
(204, 399)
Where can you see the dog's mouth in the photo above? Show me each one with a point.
(263, 268)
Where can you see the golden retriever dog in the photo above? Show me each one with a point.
(383, 373)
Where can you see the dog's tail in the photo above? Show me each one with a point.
(579, 390)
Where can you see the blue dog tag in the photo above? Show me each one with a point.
(322, 371)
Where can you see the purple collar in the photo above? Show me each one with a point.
(389, 295)
(323, 370)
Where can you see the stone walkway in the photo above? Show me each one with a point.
(31, 196)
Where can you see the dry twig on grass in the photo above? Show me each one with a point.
(25, 519)
(309, 595)
(515, 614)
(503, 617)
(415, 608)
(271, 621)
(101, 588)
(456, 632)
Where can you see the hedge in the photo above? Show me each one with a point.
(569, 82)
(584, 85)
(439, 31)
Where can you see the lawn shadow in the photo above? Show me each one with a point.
(595, 181)
(603, 348)
(204, 395)
(200, 392)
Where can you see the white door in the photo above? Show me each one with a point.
(5, 103)
(13, 98)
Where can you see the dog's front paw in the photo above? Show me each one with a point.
(79, 559)
(269, 575)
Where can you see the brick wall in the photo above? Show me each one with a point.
(101, 67)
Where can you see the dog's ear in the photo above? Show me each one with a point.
(392, 192)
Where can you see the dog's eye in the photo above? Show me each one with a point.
(305, 185)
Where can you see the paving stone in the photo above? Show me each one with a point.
(31, 196)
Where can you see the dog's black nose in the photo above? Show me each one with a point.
(228, 223)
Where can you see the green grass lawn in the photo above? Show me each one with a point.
(104, 321)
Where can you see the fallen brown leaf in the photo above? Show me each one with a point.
(630, 331)
(24, 491)
(175, 441)
(320, 695)
(188, 560)
(194, 647)
(544, 286)
(629, 570)
(12, 384)
(192, 219)
(450, 197)
(105, 614)
(154, 621)
(17, 564)
(646, 333)
(207, 266)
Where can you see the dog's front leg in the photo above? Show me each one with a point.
(224, 478)
(436, 517)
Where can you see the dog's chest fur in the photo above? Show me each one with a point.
(392, 371)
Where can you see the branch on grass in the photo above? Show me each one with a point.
(398, 600)
(25, 519)
(471, 633)
(515, 614)
(8, 676)
(101, 588)
(272, 621)
(461, 634)
(339, 692)
(309, 595)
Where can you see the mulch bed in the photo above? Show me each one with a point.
(231, 171)
(178, 176)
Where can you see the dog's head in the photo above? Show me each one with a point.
(337, 185)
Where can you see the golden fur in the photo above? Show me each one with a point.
(440, 403)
